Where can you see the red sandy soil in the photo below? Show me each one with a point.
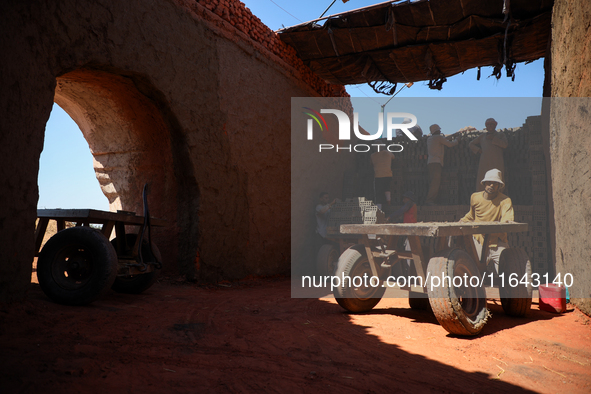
(251, 336)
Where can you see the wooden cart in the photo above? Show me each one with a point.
(78, 264)
(460, 306)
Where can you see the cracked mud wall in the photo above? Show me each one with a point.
(161, 94)
(570, 143)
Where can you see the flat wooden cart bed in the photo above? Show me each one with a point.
(459, 303)
(78, 264)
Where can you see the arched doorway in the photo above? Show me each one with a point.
(130, 141)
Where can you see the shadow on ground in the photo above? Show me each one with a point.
(251, 337)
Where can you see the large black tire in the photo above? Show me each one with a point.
(459, 310)
(136, 284)
(353, 263)
(516, 301)
(327, 260)
(76, 266)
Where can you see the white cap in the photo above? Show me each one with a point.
(493, 175)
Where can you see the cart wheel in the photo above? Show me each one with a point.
(419, 302)
(136, 284)
(327, 259)
(76, 266)
(353, 264)
(516, 301)
(460, 310)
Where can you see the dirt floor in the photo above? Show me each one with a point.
(251, 336)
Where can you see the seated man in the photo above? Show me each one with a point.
(408, 212)
(322, 213)
(491, 205)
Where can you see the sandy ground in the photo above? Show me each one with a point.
(251, 336)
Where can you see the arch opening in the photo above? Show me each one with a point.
(66, 176)
(130, 142)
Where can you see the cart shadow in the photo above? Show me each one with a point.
(499, 321)
(306, 342)
(416, 315)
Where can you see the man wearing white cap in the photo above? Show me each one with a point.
(491, 205)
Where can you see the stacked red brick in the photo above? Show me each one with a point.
(239, 16)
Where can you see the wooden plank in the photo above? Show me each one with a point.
(96, 216)
(372, 262)
(120, 234)
(470, 248)
(108, 228)
(39, 233)
(338, 236)
(417, 255)
(434, 229)
(484, 254)
(441, 244)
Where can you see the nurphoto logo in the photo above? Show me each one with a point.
(344, 132)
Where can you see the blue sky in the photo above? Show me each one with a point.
(66, 175)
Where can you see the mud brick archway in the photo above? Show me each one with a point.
(125, 123)
(167, 92)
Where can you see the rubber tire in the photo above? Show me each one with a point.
(327, 260)
(137, 284)
(58, 278)
(516, 301)
(354, 263)
(457, 314)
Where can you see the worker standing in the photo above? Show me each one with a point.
(382, 161)
(490, 147)
(436, 144)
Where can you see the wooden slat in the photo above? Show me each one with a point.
(108, 228)
(434, 229)
(96, 217)
(484, 254)
(372, 263)
(441, 244)
(470, 248)
(417, 255)
(39, 233)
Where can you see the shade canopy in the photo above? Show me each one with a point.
(429, 40)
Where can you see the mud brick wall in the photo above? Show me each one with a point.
(172, 92)
(525, 178)
(244, 21)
